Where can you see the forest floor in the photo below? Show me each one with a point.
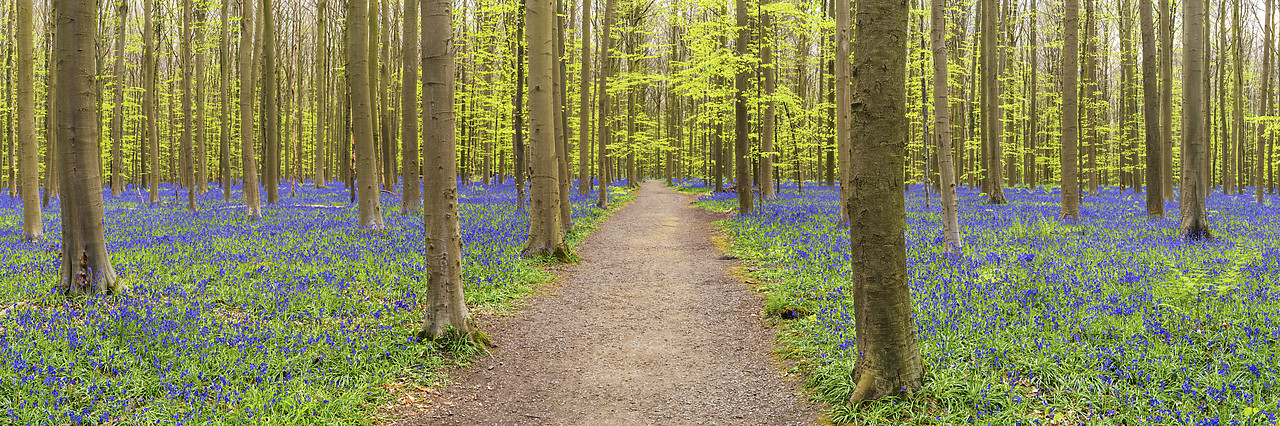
(651, 327)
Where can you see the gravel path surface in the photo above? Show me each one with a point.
(650, 328)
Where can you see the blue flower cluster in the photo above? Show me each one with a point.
(1114, 319)
(301, 317)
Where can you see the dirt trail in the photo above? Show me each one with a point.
(650, 328)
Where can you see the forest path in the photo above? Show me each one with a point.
(650, 328)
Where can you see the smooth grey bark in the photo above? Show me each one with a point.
(358, 77)
(86, 263)
(117, 117)
(249, 157)
(545, 236)
(29, 157)
(942, 126)
(1194, 223)
(889, 361)
(1070, 107)
(410, 198)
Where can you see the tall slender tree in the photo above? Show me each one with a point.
(1267, 103)
(765, 41)
(602, 92)
(188, 121)
(150, 106)
(991, 102)
(359, 79)
(942, 125)
(1070, 105)
(841, 71)
(29, 159)
(545, 237)
(742, 83)
(889, 361)
(224, 119)
(410, 200)
(1192, 197)
(1166, 99)
(117, 118)
(249, 157)
(86, 263)
(584, 109)
(321, 94)
(270, 106)
(446, 305)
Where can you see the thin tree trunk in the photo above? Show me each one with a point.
(200, 162)
(602, 91)
(991, 100)
(1267, 105)
(29, 158)
(410, 200)
(1070, 105)
(224, 82)
(767, 121)
(584, 99)
(942, 126)
(1166, 99)
(188, 122)
(249, 157)
(742, 144)
(270, 128)
(842, 101)
(321, 178)
(117, 118)
(1033, 133)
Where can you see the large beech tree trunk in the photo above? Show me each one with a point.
(545, 237)
(602, 92)
(1070, 109)
(358, 77)
(1192, 196)
(1151, 111)
(249, 158)
(446, 304)
(29, 157)
(741, 141)
(86, 263)
(889, 362)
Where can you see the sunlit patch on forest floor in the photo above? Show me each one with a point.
(1114, 320)
(300, 318)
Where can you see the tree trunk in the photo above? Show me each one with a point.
(584, 98)
(767, 121)
(29, 159)
(1166, 99)
(447, 315)
(602, 91)
(562, 123)
(359, 78)
(741, 142)
(86, 263)
(1151, 111)
(991, 103)
(410, 200)
(386, 133)
(117, 117)
(545, 238)
(889, 362)
(1258, 175)
(200, 158)
(188, 122)
(149, 106)
(1033, 133)
(249, 160)
(1070, 105)
(842, 100)
(942, 126)
(271, 126)
(224, 79)
(517, 125)
(1191, 198)
(52, 151)
(321, 176)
